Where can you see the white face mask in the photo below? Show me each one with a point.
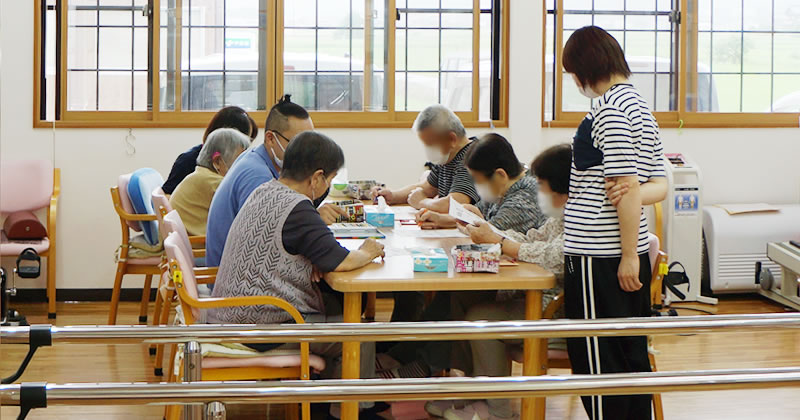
(435, 155)
(278, 162)
(547, 207)
(486, 194)
(588, 92)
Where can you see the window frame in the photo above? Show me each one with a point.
(687, 82)
(157, 117)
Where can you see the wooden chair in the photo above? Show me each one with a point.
(259, 367)
(169, 221)
(30, 185)
(148, 267)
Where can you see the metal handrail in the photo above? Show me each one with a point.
(416, 331)
(407, 389)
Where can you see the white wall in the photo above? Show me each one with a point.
(739, 165)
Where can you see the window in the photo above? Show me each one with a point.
(107, 56)
(698, 63)
(351, 62)
(748, 56)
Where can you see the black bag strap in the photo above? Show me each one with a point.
(674, 278)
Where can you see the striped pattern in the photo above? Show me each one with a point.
(619, 137)
(453, 176)
(255, 262)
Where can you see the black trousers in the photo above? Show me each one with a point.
(591, 290)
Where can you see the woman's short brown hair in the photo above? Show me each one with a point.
(593, 56)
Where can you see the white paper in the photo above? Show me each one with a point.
(430, 233)
(458, 211)
(734, 209)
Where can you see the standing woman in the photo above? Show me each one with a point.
(607, 271)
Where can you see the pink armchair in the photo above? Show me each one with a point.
(30, 185)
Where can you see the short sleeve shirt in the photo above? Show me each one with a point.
(453, 176)
(618, 138)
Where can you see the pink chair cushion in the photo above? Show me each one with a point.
(25, 185)
(125, 200)
(173, 223)
(11, 247)
(655, 246)
(174, 252)
(278, 361)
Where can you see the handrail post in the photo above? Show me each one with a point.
(192, 372)
(215, 411)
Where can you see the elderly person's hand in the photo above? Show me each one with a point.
(373, 248)
(482, 233)
(379, 191)
(330, 212)
(415, 198)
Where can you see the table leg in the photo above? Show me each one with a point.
(351, 351)
(533, 408)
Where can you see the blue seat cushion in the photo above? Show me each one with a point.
(140, 189)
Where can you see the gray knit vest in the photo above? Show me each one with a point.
(255, 263)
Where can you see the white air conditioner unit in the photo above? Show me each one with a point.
(736, 242)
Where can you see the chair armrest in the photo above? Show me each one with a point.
(206, 279)
(206, 271)
(554, 306)
(238, 301)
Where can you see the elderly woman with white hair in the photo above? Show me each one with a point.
(192, 197)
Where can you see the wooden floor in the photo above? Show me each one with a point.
(131, 363)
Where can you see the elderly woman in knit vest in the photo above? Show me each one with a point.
(278, 242)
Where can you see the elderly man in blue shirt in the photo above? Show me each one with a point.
(253, 168)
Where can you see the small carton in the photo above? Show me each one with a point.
(430, 260)
(354, 209)
(360, 190)
(476, 258)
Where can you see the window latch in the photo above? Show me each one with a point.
(675, 16)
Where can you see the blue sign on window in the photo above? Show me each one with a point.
(237, 43)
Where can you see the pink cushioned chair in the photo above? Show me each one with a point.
(148, 267)
(275, 364)
(169, 222)
(30, 185)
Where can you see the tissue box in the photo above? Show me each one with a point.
(476, 258)
(354, 209)
(433, 260)
(379, 218)
(359, 190)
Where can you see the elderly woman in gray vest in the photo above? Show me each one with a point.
(277, 241)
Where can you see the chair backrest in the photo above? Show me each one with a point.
(174, 224)
(160, 201)
(140, 191)
(25, 185)
(125, 201)
(175, 253)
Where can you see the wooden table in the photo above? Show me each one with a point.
(396, 273)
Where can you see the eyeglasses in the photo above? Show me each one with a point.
(281, 135)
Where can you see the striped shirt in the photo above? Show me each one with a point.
(453, 176)
(618, 138)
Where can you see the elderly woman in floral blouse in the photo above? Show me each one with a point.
(543, 246)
